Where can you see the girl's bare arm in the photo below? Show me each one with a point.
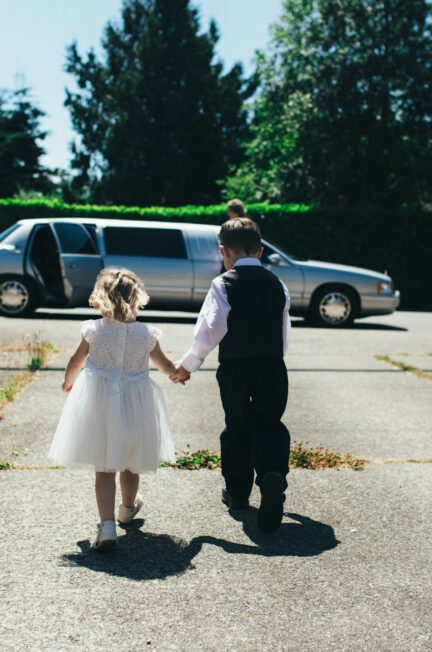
(75, 364)
(161, 361)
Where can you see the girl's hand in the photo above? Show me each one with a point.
(174, 378)
(181, 375)
(66, 388)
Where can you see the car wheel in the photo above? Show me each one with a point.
(17, 297)
(333, 307)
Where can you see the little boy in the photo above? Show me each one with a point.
(246, 313)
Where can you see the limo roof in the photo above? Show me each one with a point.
(209, 228)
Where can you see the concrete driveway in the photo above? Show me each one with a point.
(348, 570)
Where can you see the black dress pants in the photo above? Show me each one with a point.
(254, 395)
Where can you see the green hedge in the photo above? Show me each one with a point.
(396, 241)
(13, 209)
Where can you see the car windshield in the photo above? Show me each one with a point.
(8, 232)
(15, 236)
(269, 250)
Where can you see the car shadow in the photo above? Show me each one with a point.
(356, 326)
(142, 555)
(75, 316)
(169, 318)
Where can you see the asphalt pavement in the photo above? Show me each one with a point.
(348, 570)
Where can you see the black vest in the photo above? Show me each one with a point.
(255, 321)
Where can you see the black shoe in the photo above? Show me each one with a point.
(234, 503)
(272, 499)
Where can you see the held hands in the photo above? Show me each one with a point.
(180, 376)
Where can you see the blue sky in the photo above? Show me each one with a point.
(35, 33)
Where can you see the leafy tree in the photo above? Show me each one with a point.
(158, 120)
(20, 149)
(344, 112)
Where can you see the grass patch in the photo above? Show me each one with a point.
(10, 466)
(39, 352)
(6, 466)
(415, 461)
(17, 383)
(302, 456)
(193, 460)
(404, 367)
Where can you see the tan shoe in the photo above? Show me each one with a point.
(126, 514)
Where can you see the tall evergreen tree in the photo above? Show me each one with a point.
(158, 120)
(20, 148)
(344, 112)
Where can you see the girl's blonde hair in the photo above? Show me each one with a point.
(118, 294)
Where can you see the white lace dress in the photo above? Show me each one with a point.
(115, 416)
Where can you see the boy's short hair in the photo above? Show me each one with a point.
(237, 207)
(240, 235)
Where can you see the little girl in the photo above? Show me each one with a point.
(115, 417)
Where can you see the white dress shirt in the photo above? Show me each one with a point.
(212, 323)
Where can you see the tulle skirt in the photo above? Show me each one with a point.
(113, 424)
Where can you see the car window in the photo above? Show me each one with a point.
(15, 235)
(74, 239)
(155, 243)
(91, 228)
(8, 232)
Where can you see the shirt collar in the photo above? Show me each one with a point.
(248, 260)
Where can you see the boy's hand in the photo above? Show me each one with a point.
(181, 375)
(66, 388)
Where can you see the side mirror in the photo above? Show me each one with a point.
(277, 260)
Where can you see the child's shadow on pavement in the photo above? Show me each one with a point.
(304, 538)
(148, 556)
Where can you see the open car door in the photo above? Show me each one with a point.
(80, 260)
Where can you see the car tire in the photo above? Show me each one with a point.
(333, 307)
(18, 297)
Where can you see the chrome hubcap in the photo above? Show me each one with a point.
(14, 297)
(335, 308)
